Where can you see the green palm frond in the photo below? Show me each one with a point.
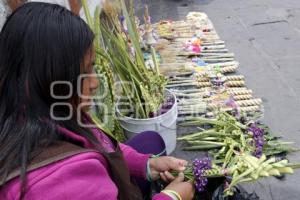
(105, 107)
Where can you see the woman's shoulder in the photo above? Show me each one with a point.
(85, 172)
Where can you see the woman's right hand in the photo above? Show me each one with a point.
(185, 189)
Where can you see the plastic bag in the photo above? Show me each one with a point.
(239, 194)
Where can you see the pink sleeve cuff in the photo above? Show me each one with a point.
(136, 162)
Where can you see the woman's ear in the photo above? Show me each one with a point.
(75, 6)
(14, 4)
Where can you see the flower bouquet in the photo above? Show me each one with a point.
(242, 152)
(242, 169)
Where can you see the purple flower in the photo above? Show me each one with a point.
(166, 106)
(226, 185)
(122, 18)
(231, 103)
(235, 111)
(217, 81)
(260, 142)
(258, 137)
(199, 168)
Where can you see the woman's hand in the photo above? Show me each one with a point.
(161, 166)
(186, 190)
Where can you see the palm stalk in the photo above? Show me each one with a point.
(104, 115)
(243, 168)
(142, 88)
(227, 132)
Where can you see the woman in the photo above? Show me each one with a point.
(43, 157)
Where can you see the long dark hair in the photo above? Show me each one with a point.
(39, 44)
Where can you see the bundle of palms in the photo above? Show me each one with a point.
(242, 151)
(104, 112)
(142, 90)
(227, 134)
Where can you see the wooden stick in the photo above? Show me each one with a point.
(216, 60)
(183, 85)
(237, 92)
(235, 78)
(235, 83)
(217, 55)
(188, 91)
(242, 97)
(229, 69)
(199, 95)
(204, 84)
(249, 108)
(224, 64)
(181, 81)
(251, 102)
(237, 88)
(191, 112)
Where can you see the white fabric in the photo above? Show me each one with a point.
(5, 11)
(92, 4)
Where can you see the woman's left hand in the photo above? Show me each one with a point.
(160, 167)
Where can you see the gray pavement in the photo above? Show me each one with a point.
(265, 37)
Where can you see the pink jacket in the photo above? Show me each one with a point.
(80, 177)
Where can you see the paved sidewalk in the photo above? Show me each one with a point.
(265, 37)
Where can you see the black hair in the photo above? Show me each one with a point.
(40, 43)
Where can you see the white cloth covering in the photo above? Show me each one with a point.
(5, 11)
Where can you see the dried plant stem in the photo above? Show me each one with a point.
(242, 97)
(251, 102)
(235, 83)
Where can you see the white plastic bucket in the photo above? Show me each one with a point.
(164, 124)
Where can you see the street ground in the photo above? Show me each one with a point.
(265, 37)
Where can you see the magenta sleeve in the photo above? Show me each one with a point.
(136, 162)
(80, 177)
